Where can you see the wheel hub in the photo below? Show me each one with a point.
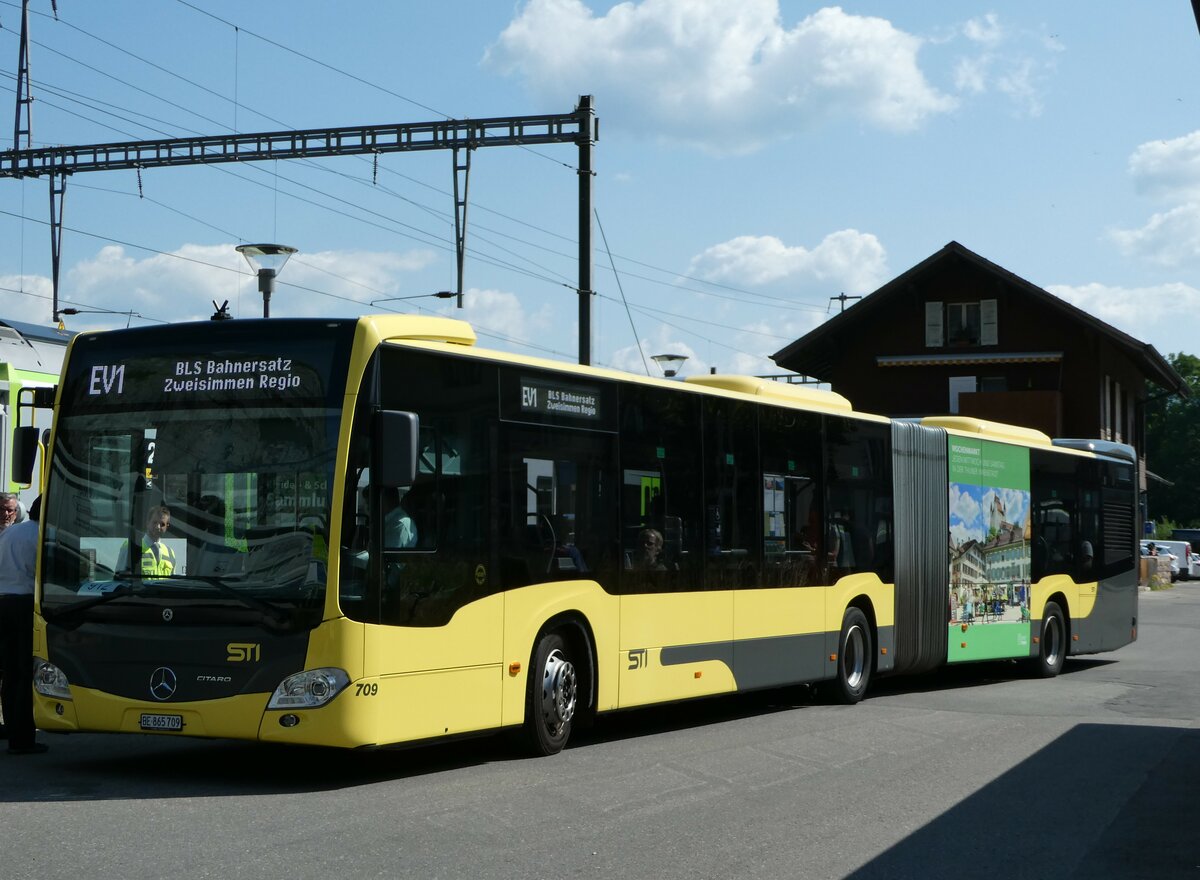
(558, 691)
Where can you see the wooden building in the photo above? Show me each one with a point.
(959, 334)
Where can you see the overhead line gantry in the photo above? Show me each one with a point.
(461, 136)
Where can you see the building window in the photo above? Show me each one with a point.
(960, 324)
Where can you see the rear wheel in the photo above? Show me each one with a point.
(1053, 641)
(855, 653)
(550, 697)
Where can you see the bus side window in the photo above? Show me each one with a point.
(660, 495)
(556, 515)
(732, 489)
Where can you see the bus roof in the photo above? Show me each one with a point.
(989, 430)
(32, 347)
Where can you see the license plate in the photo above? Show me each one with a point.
(162, 722)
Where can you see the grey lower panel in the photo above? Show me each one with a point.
(1113, 617)
(774, 661)
(676, 655)
(761, 663)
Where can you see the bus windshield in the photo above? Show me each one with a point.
(194, 482)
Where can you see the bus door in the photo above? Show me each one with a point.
(557, 506)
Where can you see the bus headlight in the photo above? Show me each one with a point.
(309, 689)
(50, 681)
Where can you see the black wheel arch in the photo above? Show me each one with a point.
(864, 604)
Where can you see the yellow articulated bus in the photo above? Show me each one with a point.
(368, 532)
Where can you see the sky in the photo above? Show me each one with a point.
(754, 160)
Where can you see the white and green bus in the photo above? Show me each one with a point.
(31, 357)
(576, 540)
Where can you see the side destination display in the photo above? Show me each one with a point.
(989, 550)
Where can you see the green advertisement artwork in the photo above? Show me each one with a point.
(989, 550)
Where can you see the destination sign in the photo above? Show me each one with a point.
(123, 369)
(143, 379)
(540, 396)
(551, 399)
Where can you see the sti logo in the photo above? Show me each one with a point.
(107, 378)
(242, 652)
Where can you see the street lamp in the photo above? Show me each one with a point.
(669, 363)
(268, 261)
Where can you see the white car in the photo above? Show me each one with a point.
(1164, 548)
(1183, 551)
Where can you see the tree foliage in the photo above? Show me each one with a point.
(1173, 448)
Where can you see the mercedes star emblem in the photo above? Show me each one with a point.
(162, 683)
(168, 614)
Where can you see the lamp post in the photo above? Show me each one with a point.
(669, 363)
(268, 261)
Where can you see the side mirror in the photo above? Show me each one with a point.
(396, 439)
(24, 454)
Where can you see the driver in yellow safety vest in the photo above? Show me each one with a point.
(157, 559)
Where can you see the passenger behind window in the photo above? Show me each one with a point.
(565, 555)
(399, 531)
(647, 556)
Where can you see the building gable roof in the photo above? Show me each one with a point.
(815, 353)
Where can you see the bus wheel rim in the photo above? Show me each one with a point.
(1052, 641)
(558, 692)
(853, 659)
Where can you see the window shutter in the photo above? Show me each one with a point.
(988, 333)
(933, 325)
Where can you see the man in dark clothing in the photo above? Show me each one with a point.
(18, 559)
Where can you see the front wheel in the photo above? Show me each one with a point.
(855, 654)
(550, 696)
(1052, 645)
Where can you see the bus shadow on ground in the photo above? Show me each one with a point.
(1102, 801)
(104, 767)
(989, 672)
(84, 767)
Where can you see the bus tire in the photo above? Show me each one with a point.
(855, 654)
(550, 696)
(1052, 645)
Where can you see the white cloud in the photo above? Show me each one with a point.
(1168, 169)
(1161, 315)
(718, 73)
(1005, 62)
(1170, 238)
(986, 30)
(1022, 83)
(970, 75)
(849, 259)
(34, 305)
(183, 285)
(500, 319)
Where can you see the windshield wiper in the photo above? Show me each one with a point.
(122, 590)
(272, 612)
(274, 616)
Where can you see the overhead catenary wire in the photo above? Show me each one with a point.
(427, 238)
(781, 302)
(617, 276)
(481, 329)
